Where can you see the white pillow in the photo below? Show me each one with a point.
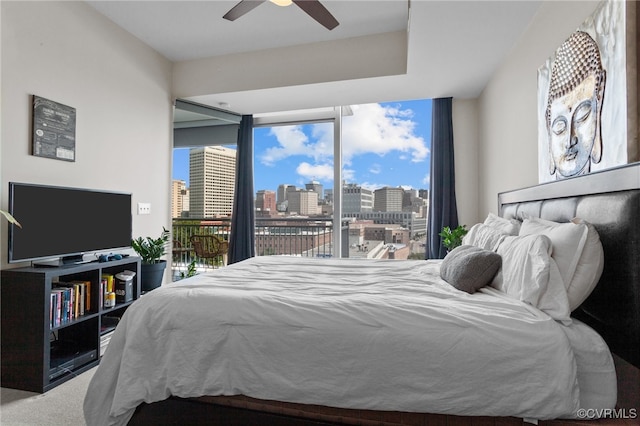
(483, 236)
(530, 274)
(567, 240)
(506, 226)
(589, 268)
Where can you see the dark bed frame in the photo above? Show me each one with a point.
(610, 200)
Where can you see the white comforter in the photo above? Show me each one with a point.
(368, 334)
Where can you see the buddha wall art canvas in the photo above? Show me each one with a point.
(587, 96)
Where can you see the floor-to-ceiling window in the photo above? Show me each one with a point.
(293, 177)
(379, 177)
(383, 185)
(203, 177)
(385, 170)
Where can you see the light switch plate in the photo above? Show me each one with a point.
(144, 208)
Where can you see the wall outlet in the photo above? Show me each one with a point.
(144, 208)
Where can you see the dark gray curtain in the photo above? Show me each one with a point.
(242, 238)
(442, 194)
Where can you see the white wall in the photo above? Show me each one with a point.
(121, 89)
(507, 108)
(377, 55)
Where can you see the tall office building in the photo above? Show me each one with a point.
(356, 199)
(212, 176)
(316, 187)
(388, 199)
(303, 202)
(266, 201)
(179, 198)
(408, 197)
(282, 192)
(328, 196)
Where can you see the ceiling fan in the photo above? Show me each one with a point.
(313, 8)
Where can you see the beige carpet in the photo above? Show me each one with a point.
(60, 406)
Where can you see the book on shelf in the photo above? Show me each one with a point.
(51, 309)
(69, 300)
(102, 291)
(55, 310)
(110, 282)
(84, 292)
(110, 287)
(61, 306)
(76, 288)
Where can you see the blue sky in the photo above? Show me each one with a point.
(385, 144)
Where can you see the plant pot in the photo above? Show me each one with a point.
(151, 275)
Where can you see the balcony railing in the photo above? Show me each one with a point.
(282, 236)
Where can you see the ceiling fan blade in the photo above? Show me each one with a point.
(317, 11)
(241, 8)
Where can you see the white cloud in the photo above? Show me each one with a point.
(292, 141)
(323, 134)
(373, 129)
(375, 169)
(321, 172)
(427, 179)
(348, 175)
(380, 130)
(372, 186)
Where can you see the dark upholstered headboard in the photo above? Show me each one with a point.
(610, 200)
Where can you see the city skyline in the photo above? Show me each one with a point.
(385, 144)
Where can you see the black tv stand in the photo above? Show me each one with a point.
(38, 353)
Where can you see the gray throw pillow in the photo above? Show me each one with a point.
(469, 268)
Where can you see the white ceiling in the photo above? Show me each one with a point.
(183, 30)
(454, 46)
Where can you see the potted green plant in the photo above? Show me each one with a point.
(452, 238)
(150, 251)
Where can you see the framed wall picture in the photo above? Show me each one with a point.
(54, 130)
(588, 96)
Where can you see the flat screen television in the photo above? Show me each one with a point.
(65, 223)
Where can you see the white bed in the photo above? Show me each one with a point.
(366, 334)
